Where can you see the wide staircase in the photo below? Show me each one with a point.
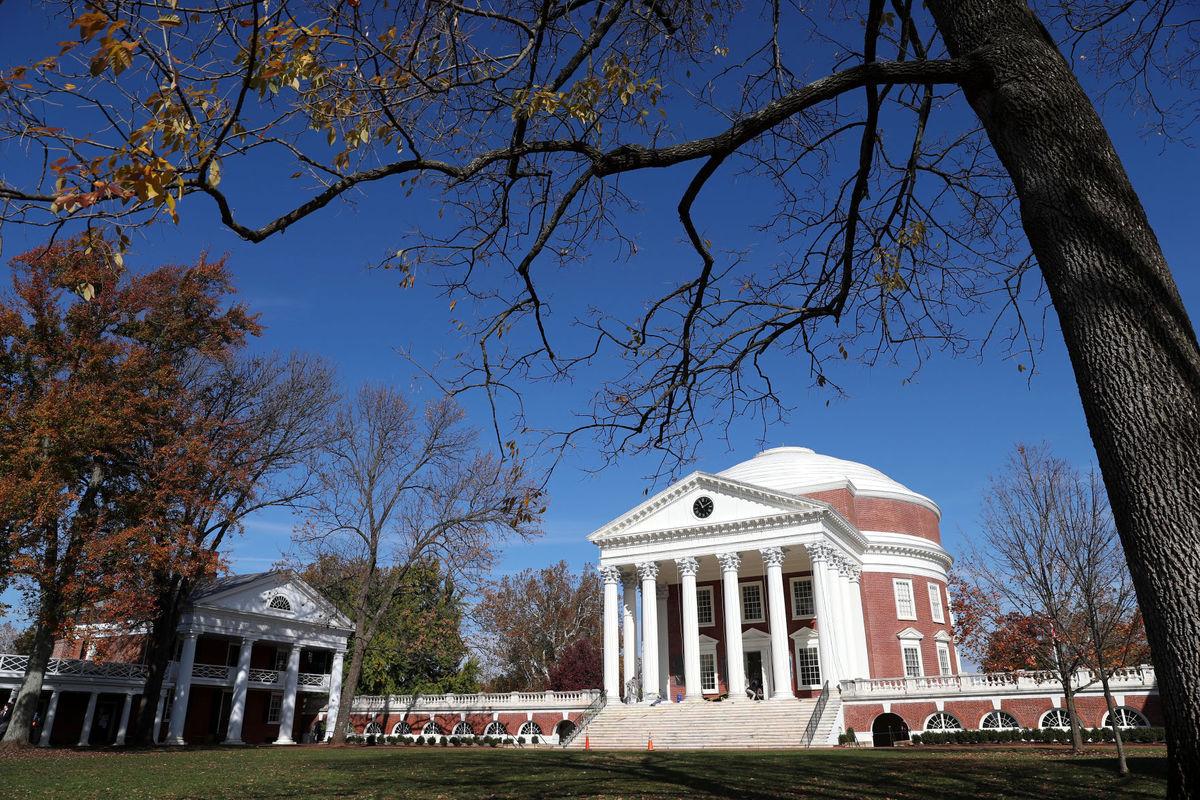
(770, 724)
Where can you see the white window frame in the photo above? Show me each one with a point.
(912, 598)
(762, 601)
(712, 607)
(275, 708)
(912, 644)
(807, 648)
(945, 662)
(709, 648)
(792, 597)
(937, 610)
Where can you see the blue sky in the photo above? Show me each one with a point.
(941, 433)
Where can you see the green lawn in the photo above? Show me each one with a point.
(377, 772)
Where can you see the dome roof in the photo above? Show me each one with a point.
(800, 470)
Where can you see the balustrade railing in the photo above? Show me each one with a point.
(264, 676)
(218, 672)
(465, 702)
(75, 667)
(1141, 677)
(814, 721)
(312, 679)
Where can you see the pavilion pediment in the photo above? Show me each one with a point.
(271, 594)
(727, 502)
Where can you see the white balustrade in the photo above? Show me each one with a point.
(218, 672)
(264, 676)
(472, 702)
(1141, 677)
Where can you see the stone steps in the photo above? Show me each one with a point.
(770, 724)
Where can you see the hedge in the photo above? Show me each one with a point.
(1041, 735)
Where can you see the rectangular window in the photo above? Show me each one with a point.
(281, 659)
(752, 602)
(708, 672)
(275, 709)
(935, 603)
(906, 608)
(943, 651)
(704, 606)
(802, 598)
(912, 661)
(808, 666)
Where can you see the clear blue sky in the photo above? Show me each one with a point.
(941, 433)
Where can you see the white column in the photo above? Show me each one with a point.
(858, 624)
(841, 603)
(612, 665)
(335, 693)
(237, 707)
(629, 634)
(732, 601)
(183, 687)
(781, 658)
(48, 727)
(826, 626)
(123, 726)
(158, 715)
(691, 628)
(664, 656)
(287, 714)
(88, 716)
(648, 572)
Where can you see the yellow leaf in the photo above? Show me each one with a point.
(214, 172)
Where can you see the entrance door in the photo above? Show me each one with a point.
(756, 679)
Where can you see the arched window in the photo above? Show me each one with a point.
(998, 721)
(530, 728)
(372, 728)
(431, 729)
(1055, 718)
(280, 603)
(1128, 718)
(495, 729)
(464, 729)
(941, 721)
(401, 728)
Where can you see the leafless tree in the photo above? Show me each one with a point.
(401, 487)
(531, 127)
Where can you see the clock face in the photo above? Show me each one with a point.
(702, 507)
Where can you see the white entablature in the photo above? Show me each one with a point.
(743, 516)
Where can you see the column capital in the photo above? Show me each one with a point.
(648, 570)
(687, 565)
(189, 633)
(610, 574)
(772, 556)
(730, 562)
(820, 552)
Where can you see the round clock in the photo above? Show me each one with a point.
(703, 506)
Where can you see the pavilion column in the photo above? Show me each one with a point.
(334, 704)
(827, 631)
(48, 728)
(85, 735)
(781, 661)
(156, 734)
(664, 656)
(648, 572)
(845, 627)
(858, 623)
(237, 709)
(732, 601)
(183, 687)
(688, 567)
(629, 634)
(123, 726)
(612, 677)
(287, 714)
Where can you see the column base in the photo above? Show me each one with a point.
(174, 741)
(234, 743)
(284, 741)
(783, 696)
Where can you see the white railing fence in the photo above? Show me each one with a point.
(467, 702)
(75, 667)
(1141, 677)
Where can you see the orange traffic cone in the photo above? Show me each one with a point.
(649, 742)
(587, 742)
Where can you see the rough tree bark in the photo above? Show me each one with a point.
(160, 649)
(30, 691)
(1132, 347)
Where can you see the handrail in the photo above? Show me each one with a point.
(586, 717)
(814, 721)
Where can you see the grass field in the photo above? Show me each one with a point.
(379, 772)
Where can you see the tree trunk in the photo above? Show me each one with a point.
(349, 685)
(25, 702)
(1122, 766)
(1131, 344)
(1076, 734)
(160, 649)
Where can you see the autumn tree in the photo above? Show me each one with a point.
(403, 490)
(87, 373)
(578, 666)
(418, 647)
(916, 165)
(526, 622)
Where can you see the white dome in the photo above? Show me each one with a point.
(800, 470)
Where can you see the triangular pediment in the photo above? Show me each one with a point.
(675, 507)
(272, 594)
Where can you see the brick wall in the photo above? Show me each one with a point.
(882, 514)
